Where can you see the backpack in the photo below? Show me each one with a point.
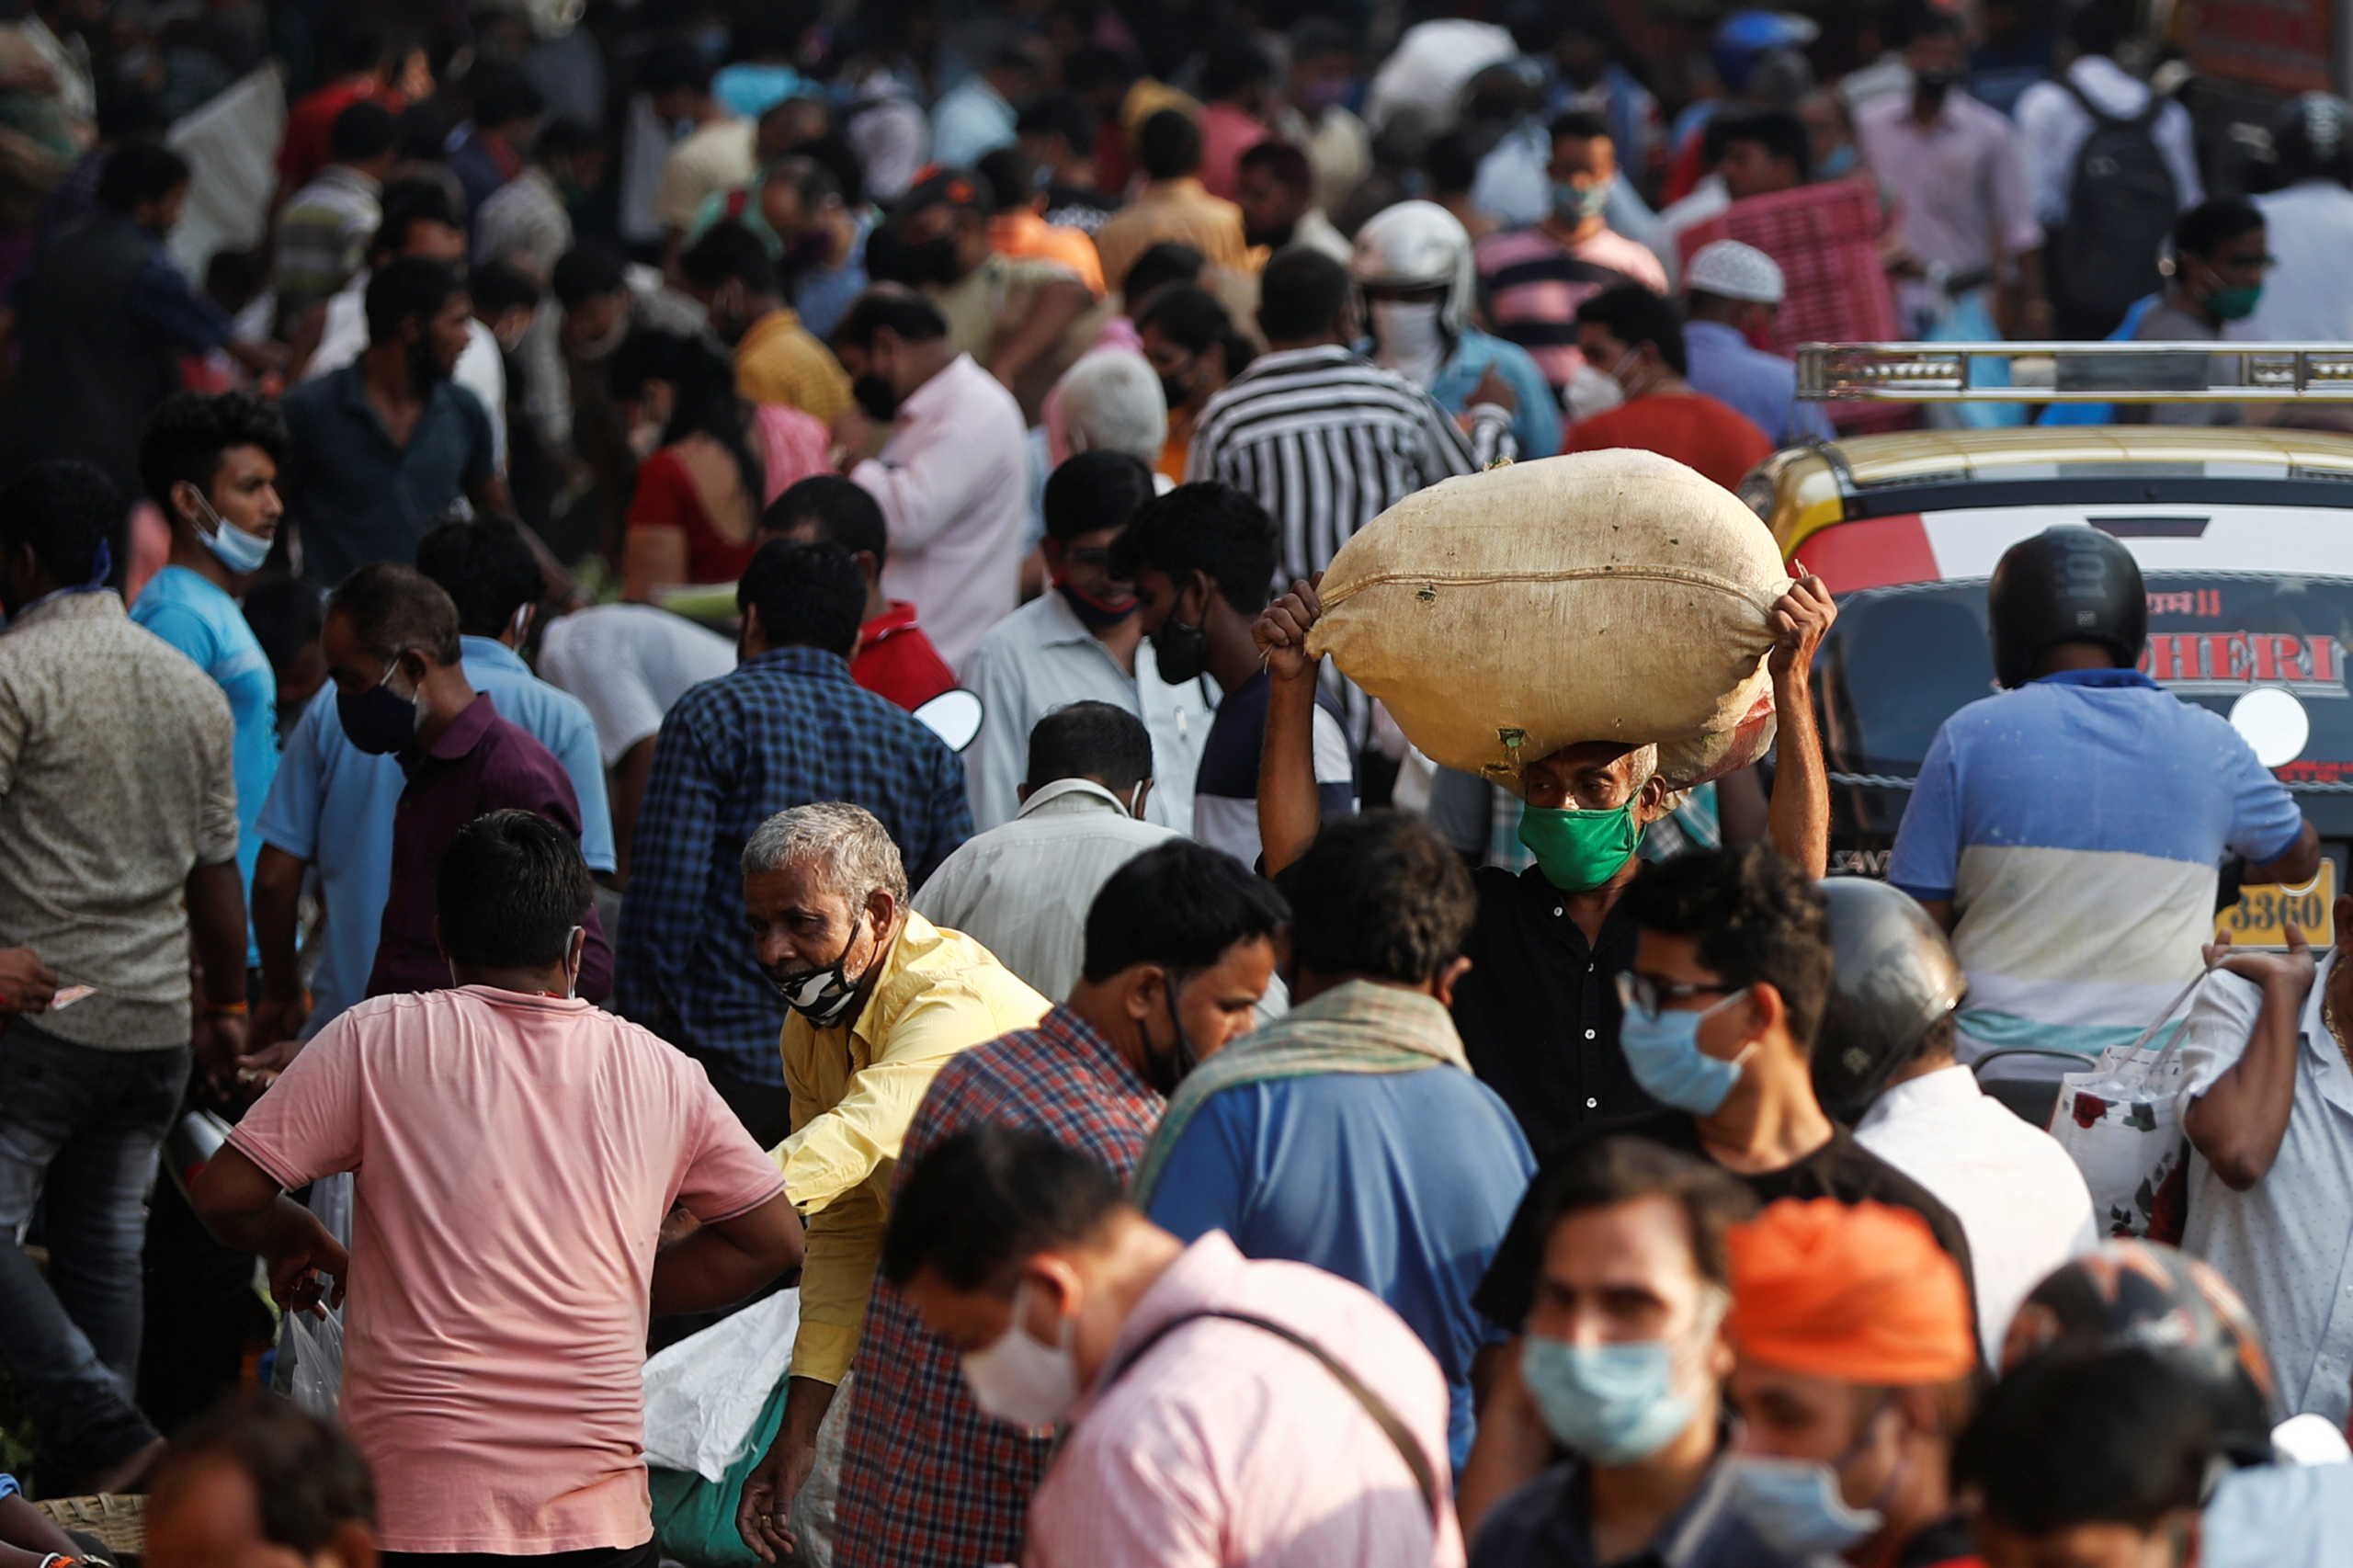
(2121, 202)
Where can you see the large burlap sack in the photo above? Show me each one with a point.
(1612, 595)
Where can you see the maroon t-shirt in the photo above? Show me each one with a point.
(481, 764)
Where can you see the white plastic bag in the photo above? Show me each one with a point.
(2121, 1122)
(703, 1395)
(315, 1346)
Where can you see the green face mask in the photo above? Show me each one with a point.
(2236, 304)
(1578, 851)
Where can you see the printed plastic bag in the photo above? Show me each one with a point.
(2120, 1123)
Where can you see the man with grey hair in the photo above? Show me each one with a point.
(881, 998)
(1109, 402)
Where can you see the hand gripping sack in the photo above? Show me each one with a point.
(2121, 1122)
(1613, 595)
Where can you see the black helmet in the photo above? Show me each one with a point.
(1894, 976)
(2068, 584)
(2313, 134)
(2136, 1295)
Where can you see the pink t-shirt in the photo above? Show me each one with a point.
(514, 1156)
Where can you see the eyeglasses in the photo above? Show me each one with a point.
(1640, 994)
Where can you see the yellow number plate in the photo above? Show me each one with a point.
(2262, 915)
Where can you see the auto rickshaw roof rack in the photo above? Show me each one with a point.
(2075, 372)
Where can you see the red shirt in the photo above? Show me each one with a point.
(895, 660)
(1691, 427)
(310, 125)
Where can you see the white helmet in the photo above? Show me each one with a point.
(1417, 245)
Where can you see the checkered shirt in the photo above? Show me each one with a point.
(928, 1481)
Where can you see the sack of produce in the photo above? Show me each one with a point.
(1612, 595)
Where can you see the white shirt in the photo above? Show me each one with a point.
(629, 664)
(1315, 231)
(953, 488)
(2020, 1198)
(2308, 296)
(969, 121)
(1023, 887)
(479, 369)
(2286, 1243)
(1042, 657)
(2053, 125)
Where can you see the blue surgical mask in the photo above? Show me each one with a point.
(231, 546)
(1839, 163)
(1795, 1507)
(1663, 1055)
(1614, 1403)
(1575, 203)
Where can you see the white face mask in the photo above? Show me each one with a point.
(1407, 339)
(1019, 1382)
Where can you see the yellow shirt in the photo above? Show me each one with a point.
(855, 1088)
(779, 361)
(1173, 210)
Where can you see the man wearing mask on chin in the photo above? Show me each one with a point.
(1730, 977)
(392, 651)
(1081, 641)
(1253, 1414)
(2215, 277)
(880, 999)
(1636, 338)
(1854, 1373)
(1179, 943)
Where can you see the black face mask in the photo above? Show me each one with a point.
(1175, 393)
(1182, 652)
(935, 261)
(875, 398)
(1930, 89)
(1165, 1072)
(424, 372)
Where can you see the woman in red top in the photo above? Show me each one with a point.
(715, 462)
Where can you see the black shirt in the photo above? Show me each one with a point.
(1537, 1012)
(1841, 1168)
(1548, 1523)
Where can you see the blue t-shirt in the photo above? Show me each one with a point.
(1536, 422)
(200, 619)
(333, 805)
(1403, 1182)
(2077, 825)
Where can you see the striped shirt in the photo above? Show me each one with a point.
(1326, 441)
(1537, 283)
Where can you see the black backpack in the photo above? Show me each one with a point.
(2121, 202)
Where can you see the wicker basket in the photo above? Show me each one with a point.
(119, 1520)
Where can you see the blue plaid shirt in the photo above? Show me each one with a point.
(785, 728)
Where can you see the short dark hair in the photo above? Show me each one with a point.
(1161, 263)
(1382, 895)
(1181, 904)
(1232, 63)
(846, 514)
(2214, 223)
(394, 608)
(1168, 145)
(1204, 527)
(1011, 176)
(808, 179)
(285, 612)
(365, 129)
(503, 96)
(403, 206)
(188, 432)
(588, 272)
(809, 595)
(309, 1480)
(675, 64)
(1282, 162)
(509, 889)
(912, 317)
(1092, 65)
(402, 290)
(1317, 36)
(1634, 316)
(2097, 27)
(564, 137)
(1781, 134)
(1090, 740)
(1092, 491)
(1753, 919)
(1613, 1171)
(370, 46)
(139, 172)
(1452, 162)
(1191, 318)
(986, 1197)
(1301, 294)
(2122, 1437)
(486, 567)
(66, 510)
(497, 285)
(1059, 114)
(728, 252)
(1582, 125)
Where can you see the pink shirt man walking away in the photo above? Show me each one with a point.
(1225, 1413)
(517, 1152)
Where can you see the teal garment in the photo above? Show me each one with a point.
(1536, 423)
(201, 620)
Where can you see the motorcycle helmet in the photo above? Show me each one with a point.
(2068, 584)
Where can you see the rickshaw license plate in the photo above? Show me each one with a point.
(2262, 915)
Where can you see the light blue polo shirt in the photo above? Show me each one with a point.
(2077, 825)
(332, 805)
(198, 618)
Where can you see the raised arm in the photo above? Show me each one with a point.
(1290, 812)
(1798, 813)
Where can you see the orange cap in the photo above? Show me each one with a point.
(1859, 1292)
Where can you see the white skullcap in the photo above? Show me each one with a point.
(1730, 270)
